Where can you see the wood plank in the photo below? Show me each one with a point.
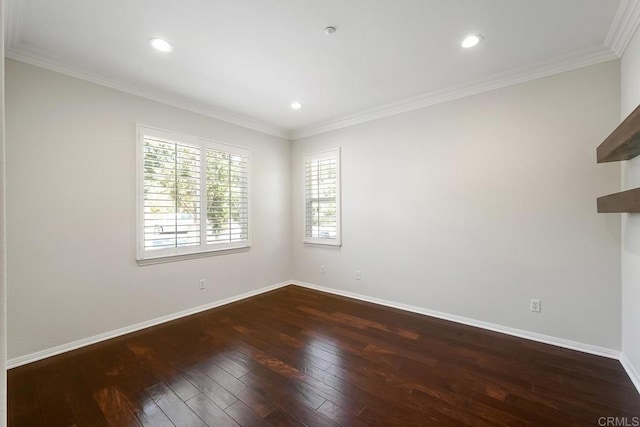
(209, 412)
(625, 201)
(624, 141)
(295, 356)
(22, 402)
(79, 397)
(244, 416)
(280, 389)
(214, 391)
(177, 411)
(292, 399)
(51, 402)
(113, 388)
(281, 419)
(256, 402)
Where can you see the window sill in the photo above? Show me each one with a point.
(181, 257)
(335, 246)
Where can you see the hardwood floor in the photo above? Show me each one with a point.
(296, 357)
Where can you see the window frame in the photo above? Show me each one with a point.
(204, 249)
(318, 155)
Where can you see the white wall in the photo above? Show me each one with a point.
(630, 98)
(474, 207)
(71, 199)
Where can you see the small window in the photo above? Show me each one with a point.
(322, 198)
(193, 195)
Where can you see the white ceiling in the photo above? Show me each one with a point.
(245, 61)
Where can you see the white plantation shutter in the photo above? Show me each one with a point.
(171, 195)
(322, 197)
(227, 196)
(193, 195)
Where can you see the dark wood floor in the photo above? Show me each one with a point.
(299, 357)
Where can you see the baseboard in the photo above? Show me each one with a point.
(533, 336)
(559, 342)
(43, 354)
(631, 371)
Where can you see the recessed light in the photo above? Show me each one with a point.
(329, 30)
(471, 41)
(296, 105)
(161, 45)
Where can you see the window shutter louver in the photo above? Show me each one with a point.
(171, 195)
(322, 201)
(193, 195)
(227, 197)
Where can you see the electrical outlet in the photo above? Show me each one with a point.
(358, 275)
(202, 284)
(535, 305)
(322, 270)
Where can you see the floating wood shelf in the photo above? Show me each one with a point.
(624, 141)
(622, 144)
(626, 201)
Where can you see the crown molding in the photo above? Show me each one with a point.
(511, 77)
(27, 54)
(624, 26)
(19, 51)
(24, 53)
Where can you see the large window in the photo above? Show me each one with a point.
(193, 195)
(322, 197)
